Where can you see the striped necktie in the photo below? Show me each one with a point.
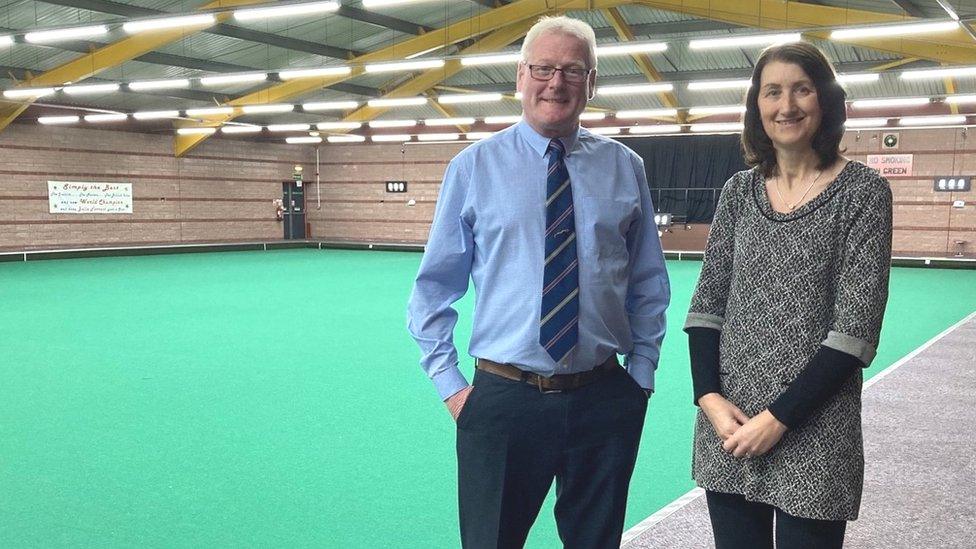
(560, 287)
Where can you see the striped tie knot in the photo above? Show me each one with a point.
(556, 147)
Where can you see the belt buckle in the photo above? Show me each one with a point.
(538, 383)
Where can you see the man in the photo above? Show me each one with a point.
(555, 227)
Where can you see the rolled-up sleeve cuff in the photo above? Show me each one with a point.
(857, 347)
(642, 370)
(704, 320)
(449, 381)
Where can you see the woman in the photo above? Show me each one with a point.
(786, 313)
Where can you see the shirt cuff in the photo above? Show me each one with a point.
(449, 381)
(704, 320)
(856, 347)
(642, 370)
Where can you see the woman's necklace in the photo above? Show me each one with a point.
(792, 206)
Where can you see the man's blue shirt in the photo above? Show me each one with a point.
(489, 226)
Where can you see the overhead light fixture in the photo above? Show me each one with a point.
(720, 85)
(390, 138)
(196, 131)
(604, 131)
(659, 128)
(634, 89)
(475, 136)
(893, 30)
(857, 78)
(271, 108)
(392, 123)
(43, 37)
(330, 106)
(740, 41)
(303, 140)
(397, 102)
(6, 40)
(155, 115)
(233, 79)
(893, 102)
(210, 111)
(932, 120)
(724, 109)
(159, 84)
(455, 98)
(339, 125)
(718, 127)
(405, 66)
(58, 119)
(240, 129)
(22, 93)
(493, 59)
(648, 113)
(133, 27)
(314, 73)
(502, 119)
(589, 116)
(307, 8)
(961, 99)
(289, 127)
(90, 88)
(949, 72)
(623, 49)
(437, 137)
(459, 121)
(346, 138)
(865, 122)
(109, 117)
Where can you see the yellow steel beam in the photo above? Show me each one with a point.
(948, 47)
(642, 60)
(950, 86)
(109, 56)
(894, 64)
(520, 10)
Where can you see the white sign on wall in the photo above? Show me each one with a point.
(89, 198)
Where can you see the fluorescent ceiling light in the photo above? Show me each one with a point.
(494, 59)
(6, 40)
(390, 137)
(405, 65)
(592, 116)
(274, 107)
(346, 138)
(41, 37)
(961, 99)
(397, 102)
(196, 131)
(720, 85)
(893, 30)
(313, 73)
(424, 52)
(159, 84)
(518, 95)
(461, 121)
(58, 119)
(604, 131)
(894, 102)
(289, 127)
(437, 137)
(858, 77)
(865, 122)
(20, 93)
(948, 72)
(478, 135)
(623, 49)
(392, 123)
(719, 127)
(339, 125)
(725, 109)
(739, 41)
(209, 111)
(330, 105)
(155, 115)
(90, 88)
(648, 113)
(451, 99)
(133, 27)
(634, 89)
(303, 140)
(932, 120)
(240, 129)
(502, 119)
(233, 78)
(659, 128)
(112, 117)
(285, 11)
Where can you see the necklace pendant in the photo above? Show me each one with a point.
(792, 206)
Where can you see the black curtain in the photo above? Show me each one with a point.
(685, 173)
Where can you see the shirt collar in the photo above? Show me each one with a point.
(540, 143)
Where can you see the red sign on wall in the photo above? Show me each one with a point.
(891, 164)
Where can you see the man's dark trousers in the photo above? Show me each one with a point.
(513, 440)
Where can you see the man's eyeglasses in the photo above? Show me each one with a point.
(570, 74)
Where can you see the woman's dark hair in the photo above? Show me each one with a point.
(756, 145)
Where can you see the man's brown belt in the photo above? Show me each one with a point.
(556, 383)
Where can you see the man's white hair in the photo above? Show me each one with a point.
(562, 25)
